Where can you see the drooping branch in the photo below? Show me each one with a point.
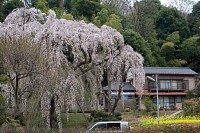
(74, 56)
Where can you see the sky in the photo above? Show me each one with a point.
(166, 2)
(187, 8)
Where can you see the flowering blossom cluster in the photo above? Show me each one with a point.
(78, 55)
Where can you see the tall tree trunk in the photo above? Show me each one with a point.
(16, 92)
(116, 100)
(53, 118)
(109, 89)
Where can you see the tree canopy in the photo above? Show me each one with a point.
(170, 20)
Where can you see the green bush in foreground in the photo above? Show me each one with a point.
(191, 107)
(98, 115)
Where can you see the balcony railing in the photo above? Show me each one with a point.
(168, 85)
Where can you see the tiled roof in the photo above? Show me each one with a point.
(161, 93)
(169, 70)
(126, 86)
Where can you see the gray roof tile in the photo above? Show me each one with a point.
(169, 70)
(126, 86)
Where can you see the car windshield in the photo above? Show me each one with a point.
(90, 126)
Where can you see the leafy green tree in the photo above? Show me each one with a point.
(59, 11)
(42, 5)
(68, 16)
(156, 52)
(50, 3)
(177, 63)
(174, 37)
(150, 106)
(53, 3)
(170, 20)
(198, 90)
(127, 21)
(10, 5)
(34, 2)
(101, 17)
(143, 16)
(194, 19)
(1, 11)
(86, 8)
(68, 5)
(136, 41)
(118, 7)
(191, 106)
(190, 51)
(115, 22)
(168, 50)
(190, 94)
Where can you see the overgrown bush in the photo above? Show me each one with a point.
(150, 106)
(190, 94)
(99, 115)
(3, 107)
(2, 119)
(191, 107)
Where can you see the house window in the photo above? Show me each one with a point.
(180, 85)
(178, 99)
(166, 102)
(152, 85)
(164, 84)
(161, 101)
(171, 84)
(174, 84)
(171, 100)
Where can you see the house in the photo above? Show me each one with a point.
(173, 84)
(127, 94)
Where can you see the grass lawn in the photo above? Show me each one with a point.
(72, 120)
(69, 120)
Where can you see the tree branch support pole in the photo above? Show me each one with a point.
(82, 111)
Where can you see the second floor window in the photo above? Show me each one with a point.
(171, 84)
(165, 84)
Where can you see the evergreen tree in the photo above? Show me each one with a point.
(194, 19)
(7, 7)
(115, 22)
(170, 20)
(86, 8)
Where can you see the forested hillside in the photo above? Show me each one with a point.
(165, 36)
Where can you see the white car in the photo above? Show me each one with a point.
(108, 126)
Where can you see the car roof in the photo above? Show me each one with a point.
(112, 122)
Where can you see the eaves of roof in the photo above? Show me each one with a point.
(169, 70)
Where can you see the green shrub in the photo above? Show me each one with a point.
(148, 103)
(191, 107)
(153, 114)
(99, 115)
(2, 119)
(190, 94)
